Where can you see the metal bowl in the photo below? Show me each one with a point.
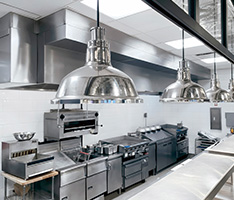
(22, 136)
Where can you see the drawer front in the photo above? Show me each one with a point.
(71, 175)
(94, 168)
(132, 179)
(182, 144)
(132, 168)
(96, 185)
(73, 190)
(182, 152)
(39, 168)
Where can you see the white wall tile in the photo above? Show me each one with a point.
(25, 113)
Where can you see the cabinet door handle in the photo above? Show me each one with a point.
(109, 166)
(90, 187)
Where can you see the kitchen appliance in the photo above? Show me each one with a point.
(182, 142)
(134, 156)
(65, 123)
(22, 159)
(95, 171)
(165, 147)
(77, 177)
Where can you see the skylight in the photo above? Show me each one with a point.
(188, 43)
(217, 60)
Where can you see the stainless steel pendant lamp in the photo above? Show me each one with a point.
(97, 81)
(184, 89)
(215, 93)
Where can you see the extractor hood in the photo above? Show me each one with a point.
(43, 52)
(18, 51)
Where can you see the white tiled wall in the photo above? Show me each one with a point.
(23, 111)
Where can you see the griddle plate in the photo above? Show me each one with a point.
(126, 141)
(159, 135)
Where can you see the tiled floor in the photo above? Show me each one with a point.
(226, 193)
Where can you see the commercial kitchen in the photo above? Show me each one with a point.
(116, 99)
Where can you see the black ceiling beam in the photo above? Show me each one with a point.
(224, 22)
(193, 9)
(175, 14)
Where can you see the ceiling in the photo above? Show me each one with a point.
(147, 25)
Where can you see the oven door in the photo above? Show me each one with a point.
(78, 127)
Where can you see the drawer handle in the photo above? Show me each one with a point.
(90, 187)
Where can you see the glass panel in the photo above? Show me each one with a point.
(210, 18)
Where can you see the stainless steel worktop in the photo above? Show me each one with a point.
(199, 179)
(224, 147)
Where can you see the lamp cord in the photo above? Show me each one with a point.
(232, 50)
(97, 13)
(214, 64)
(183, 45)
(183, 40)
(215, 37)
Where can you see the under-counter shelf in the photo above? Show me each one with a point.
(32, 194)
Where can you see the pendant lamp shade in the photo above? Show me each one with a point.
(215, 93)
(97, 81)
(183, 90)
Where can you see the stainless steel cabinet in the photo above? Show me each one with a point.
(114, 174)
(152, 156)
(166, 154)
(70, 183)
(96, 185)
(73, 190)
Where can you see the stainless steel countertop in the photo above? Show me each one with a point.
(225, 146)
(199, 179)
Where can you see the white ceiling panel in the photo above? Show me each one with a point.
(38, 7)
(88, 12)
(166, 34)
(124, 28)
(146, 21)
(164, 46)
(147, 38)
(4, 9)
(193, 50)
